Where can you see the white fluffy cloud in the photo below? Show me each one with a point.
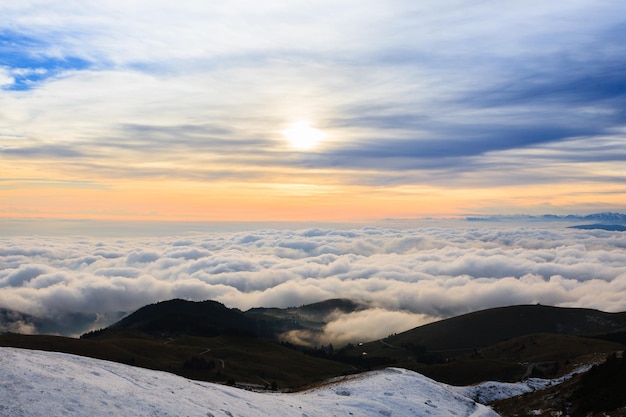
(364, 325)
(5, 77)
(409, 277)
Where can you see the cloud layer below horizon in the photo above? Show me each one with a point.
(409, 277)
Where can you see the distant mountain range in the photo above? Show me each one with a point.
(600, 226)
(602, 218)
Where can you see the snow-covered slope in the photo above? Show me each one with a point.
(490, 391)
(38, 384)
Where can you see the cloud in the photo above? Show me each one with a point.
(360, 326)
(21, 275)
(44, 150)
(200, 92)
(407, 276)
(6, 79)
(18, 326)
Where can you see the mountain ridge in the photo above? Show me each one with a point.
(498, 324)
(602, 217)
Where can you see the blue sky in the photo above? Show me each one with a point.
(27, 62)
(469, 106)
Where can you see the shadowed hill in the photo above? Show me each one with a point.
(175, 317)
(272, 322)
(547, 347)
(324, 308)
(493, 344)
(315, 312)
(211, 318)
(488, 327)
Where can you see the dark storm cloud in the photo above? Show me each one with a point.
(473, 141)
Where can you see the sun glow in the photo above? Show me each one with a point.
(301, 135)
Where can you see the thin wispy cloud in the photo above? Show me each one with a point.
(446, 94)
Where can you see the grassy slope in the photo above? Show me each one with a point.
(488, 327)
(235, 358)
(547, 348)
(495, 344)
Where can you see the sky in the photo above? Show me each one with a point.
(310, 111)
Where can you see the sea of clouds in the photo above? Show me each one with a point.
(408, 277)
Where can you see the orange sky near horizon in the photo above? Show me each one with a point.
(167, 200)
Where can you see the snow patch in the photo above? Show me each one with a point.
(490, 391)
(40, 384)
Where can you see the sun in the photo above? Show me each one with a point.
(301, 135)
